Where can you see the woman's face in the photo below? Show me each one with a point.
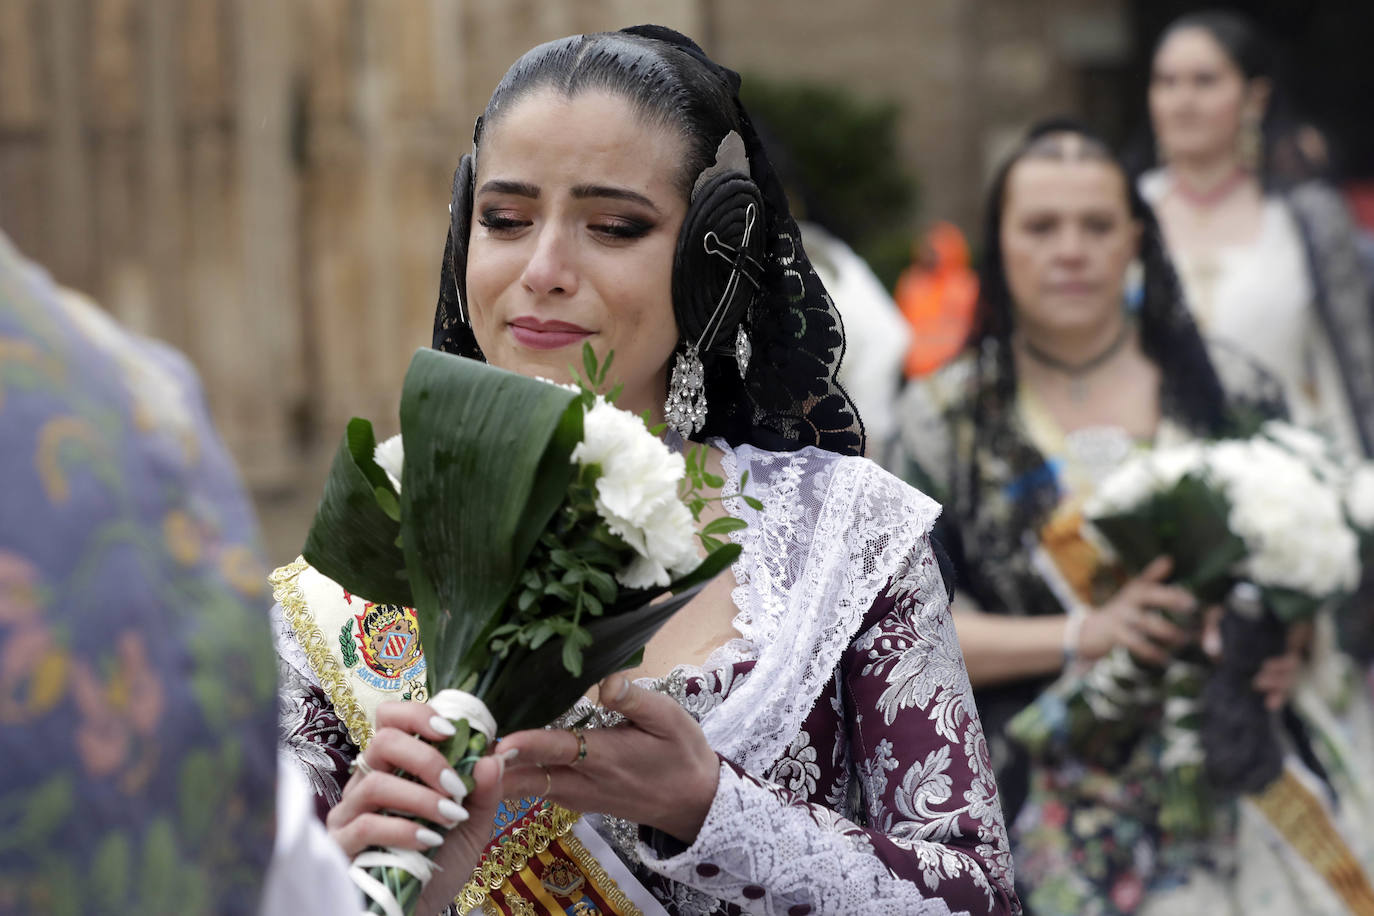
(1067, 239)
(575, 219)
(1198, 97)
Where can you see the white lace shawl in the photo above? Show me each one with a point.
(832, 533)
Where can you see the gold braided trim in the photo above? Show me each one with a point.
(513, 855)
(593, 869)
(287, 592)
(1302, 820)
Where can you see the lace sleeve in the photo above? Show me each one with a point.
(310, 731)
(934, 840)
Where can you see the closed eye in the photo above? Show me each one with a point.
(622, 229)
(499, 223)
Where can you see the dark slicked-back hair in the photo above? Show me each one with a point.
(665, 85)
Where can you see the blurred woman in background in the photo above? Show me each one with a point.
(1273, 271)
(1060, 383)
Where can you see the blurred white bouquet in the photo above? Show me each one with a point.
(1274, 510)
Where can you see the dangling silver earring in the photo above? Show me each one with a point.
(685, 411)
(743, 350)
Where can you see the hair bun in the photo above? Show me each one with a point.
(710, 271)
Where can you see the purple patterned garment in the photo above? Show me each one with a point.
(867, 771)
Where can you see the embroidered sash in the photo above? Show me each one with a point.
(544, 859)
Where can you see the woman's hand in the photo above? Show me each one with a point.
(656, 769)
(377, 806)
(1132, 618)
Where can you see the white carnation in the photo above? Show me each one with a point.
(1291, 521)
(1359, 497)
(637, 494)
(390, 457)
(671, 549)
(1320, 454)
(1141, 477)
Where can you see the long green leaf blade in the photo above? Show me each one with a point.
(487, 462)
(352, 539)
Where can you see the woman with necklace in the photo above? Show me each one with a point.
(1273, 273)
(1060, 382)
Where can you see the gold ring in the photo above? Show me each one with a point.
(581, 746)
(548, 781)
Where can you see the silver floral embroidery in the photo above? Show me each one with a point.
(797, 769)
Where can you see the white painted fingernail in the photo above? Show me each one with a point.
(428, 837)
(453, 785)
(452, 812)
(508, 755)
(443, 726)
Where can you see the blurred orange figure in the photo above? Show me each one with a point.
(937, 294)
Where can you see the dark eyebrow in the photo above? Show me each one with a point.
(584, 191)
(504, 186)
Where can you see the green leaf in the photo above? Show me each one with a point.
(487, 463)
(605, 367)
(591, 604)
(1290, 606)
(540, 633)
(352, 539)
(713, 481)
(528, 599)
(743, 481)
(589, 363)
(603, 583)
(561, 592)
(724, 525)
(389, 503)
(615, 394)
(573, 644)
(753, 503)
(714, 564)
(710, 543)
(534, 687)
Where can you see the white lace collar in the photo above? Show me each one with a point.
(833, 532)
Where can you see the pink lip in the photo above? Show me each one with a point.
(546, 335)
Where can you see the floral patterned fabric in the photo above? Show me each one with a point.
(136, 669)
(880, 797)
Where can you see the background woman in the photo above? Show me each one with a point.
(1273, 271)
(801, 738)
(1059, 384)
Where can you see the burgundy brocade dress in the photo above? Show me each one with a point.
(883, 801)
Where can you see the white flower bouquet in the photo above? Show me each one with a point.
(1259, 519)
(534, 529)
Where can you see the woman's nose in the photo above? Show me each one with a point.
(551, 269)
(1070, 245)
